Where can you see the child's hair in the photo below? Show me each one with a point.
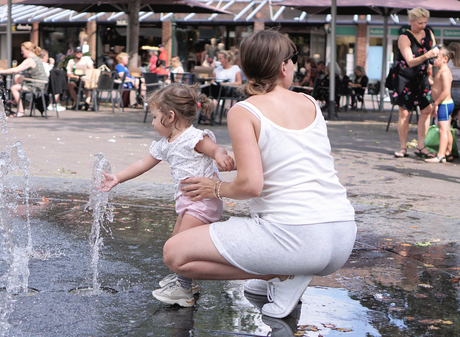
(182, 99)
(446, 52)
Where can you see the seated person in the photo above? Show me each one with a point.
(81, 61)
(129, 97)
(161, 69)
(310, 74)
(323, 90)
(35, 70)
(359, 86)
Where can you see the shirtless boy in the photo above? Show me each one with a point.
(443, 106)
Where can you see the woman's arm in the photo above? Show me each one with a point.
(26, 64)
(132, 171)
(219, 154)
(406, 51)
(238, 80)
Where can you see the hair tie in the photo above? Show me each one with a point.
(198, 104)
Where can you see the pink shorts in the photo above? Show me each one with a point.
(207, 210)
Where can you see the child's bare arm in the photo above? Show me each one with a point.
(224, 161)
(132, 171)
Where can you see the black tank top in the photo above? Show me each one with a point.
(418, 48)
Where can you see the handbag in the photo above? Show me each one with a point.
(92, 76)
(389, 79)
(432, 140)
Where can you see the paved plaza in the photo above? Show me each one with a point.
(406, 254)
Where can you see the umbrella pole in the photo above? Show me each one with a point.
(331, 104)
(384, 59)
(9, 40)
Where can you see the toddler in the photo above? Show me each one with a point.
(190, 153)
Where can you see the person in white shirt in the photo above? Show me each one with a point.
(80, 61)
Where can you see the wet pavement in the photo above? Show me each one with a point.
(401, 279)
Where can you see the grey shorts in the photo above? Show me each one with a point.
(261, 247)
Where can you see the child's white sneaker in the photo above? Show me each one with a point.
(256, 287)
(284, 295)
(173, 278)
(174, 293)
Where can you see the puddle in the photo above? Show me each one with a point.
(383, 290)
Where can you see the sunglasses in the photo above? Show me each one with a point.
(293, 57)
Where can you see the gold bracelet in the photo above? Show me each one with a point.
(218, 190)
(215, 190)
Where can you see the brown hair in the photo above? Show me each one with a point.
(454, 47)
(30, 46)
(312, 62)
(262, 54)
(182, 99)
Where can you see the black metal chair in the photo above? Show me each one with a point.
(152, 83)
(106, 84)
(373, 89)
(36, 98)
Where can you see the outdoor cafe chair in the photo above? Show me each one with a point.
(36, 98)
(107, 84)
(152, 83)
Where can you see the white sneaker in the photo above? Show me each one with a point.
(256, 287)
(173, 278)
(60, 107)
(167, 279)
(51, 107)
(174, 293)
(284, 295)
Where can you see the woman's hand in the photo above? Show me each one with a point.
(433, 52)
(108, 182)
(199, 188)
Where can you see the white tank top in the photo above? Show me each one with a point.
(300, 182)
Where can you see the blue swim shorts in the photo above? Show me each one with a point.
(445, 110)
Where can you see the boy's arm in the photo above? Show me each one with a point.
(219, 154)
(132, 171)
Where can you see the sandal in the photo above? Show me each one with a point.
(450, 158)
(436, 160)
(402, 153)
(427, 154)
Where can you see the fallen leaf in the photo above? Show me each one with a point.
(425, 285)
(447, 322)
(409, 318)
(406, 244)
(328, 325)
(344, 330)
(432, 327)
(396, 309)
(423, 244)
(421, 295)
(428, 265)
(454, 280)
